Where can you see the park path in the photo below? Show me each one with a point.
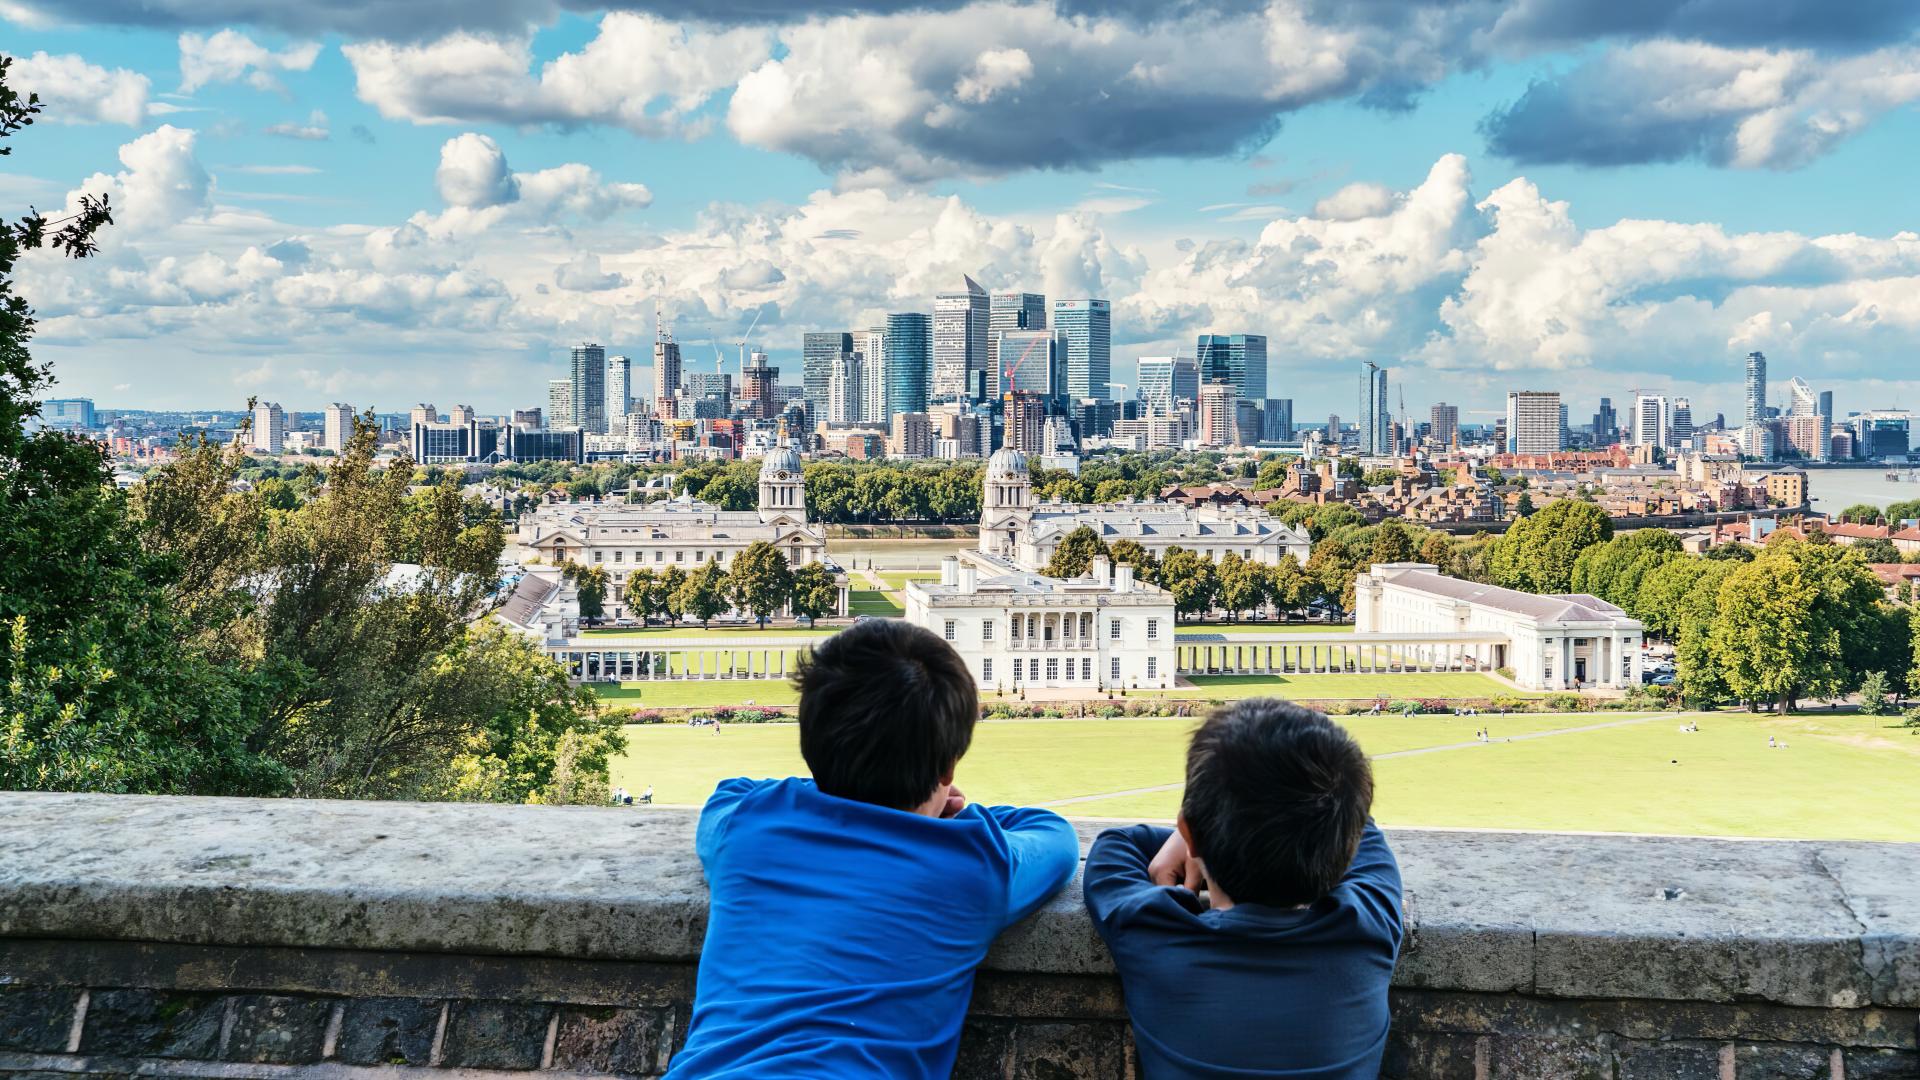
(1443, 747)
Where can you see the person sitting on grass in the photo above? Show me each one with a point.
(848, 912)
(1283, 970)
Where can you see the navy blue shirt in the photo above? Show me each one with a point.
(1252, 991)
(842, 936)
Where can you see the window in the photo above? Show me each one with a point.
(1113, 629)
(1033, 668)
(1153, 629)
(1053, 667)
(1086, 669)
(619, 556)
(596, 554)
(986, 671)
(659, 555)
(679, 556)
(1114, 670)
(986, 630)
(950, 629)
(1153, 662)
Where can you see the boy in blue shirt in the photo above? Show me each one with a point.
(1284, 970)
(849, 911)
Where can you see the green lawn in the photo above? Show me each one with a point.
(897, 580)
(1844, 777)
(873, 602)
(1441, 684)
(675, 694)
(1234, 628)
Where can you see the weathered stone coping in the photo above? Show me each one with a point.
(1822, 924)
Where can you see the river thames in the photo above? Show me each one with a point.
(1833, 490)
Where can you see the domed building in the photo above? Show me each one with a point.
(1015, 527)
(682, 532)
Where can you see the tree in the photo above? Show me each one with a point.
(1537, 553)
(1191, 579)
(1243, 584)
(1523, 506)
(590, 583)
(1130, 553)
(669, 591)
(735, 488)
(1792, 621)
(1287, 587)
(815, 593)
(1902, 511)
(1873, 694)
(761, 581)
(1075, 553)
(1350, 467)
(704, 592)
(1862, 514)
(1379, 477)
(642, 595)
(1735, 552)
(1876, 549)
(1393, 542)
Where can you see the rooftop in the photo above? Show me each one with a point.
(1566, 607)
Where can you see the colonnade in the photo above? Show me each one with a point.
(1230, 657)
(692, 662)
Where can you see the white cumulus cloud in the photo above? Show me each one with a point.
(230, 56)
(77, 92)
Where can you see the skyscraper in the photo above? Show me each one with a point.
(1826, 405)
(1754, 436)
(590, 388)
(1606, 424)
(269, 427)
(619, 393)
(1087, 326)
(757, 381)
(336, 426)
(1445, 423)
(817, 353)
(1533, 421)
(560, 403)
(1277, 420)
(1218, 419)
(1011, 311)
(845, 390)
(1680, 424)
(1033, 360)
(1165, 380)
(909, 361)
(1376, 420)
(1650, 420)
(959, 342)
(1240, 359)
(666, 373)
(871, 343)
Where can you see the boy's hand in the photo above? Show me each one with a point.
(956, 802)
(1176, 866)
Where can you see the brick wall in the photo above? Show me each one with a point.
(223, 939)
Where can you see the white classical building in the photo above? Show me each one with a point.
(683, 532)
(1100, 631)
(1551, 642)
(1013, 526)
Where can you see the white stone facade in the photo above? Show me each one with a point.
(1013, 526)
(1097, 632)
(1565, 642)
(683, 532)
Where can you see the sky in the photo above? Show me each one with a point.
(383, 204)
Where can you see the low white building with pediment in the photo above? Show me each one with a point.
(682, 532)
(1015, 526)
(1098, 632)
(1556, 642)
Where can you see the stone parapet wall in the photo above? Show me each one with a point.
(238, 938)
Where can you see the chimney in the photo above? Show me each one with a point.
(950, 571)
(968, 579)
(1123, 578)
(1102, 570)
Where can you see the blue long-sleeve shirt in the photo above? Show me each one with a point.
(842, 937)
(1252, 991)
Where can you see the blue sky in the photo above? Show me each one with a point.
(333, 202)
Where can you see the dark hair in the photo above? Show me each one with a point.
(886, 710)
(1277, 797)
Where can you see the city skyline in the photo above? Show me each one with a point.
(331, 205)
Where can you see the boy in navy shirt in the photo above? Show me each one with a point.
(849, 911)
(1284, 971)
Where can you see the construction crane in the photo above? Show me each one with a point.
(743, 340)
